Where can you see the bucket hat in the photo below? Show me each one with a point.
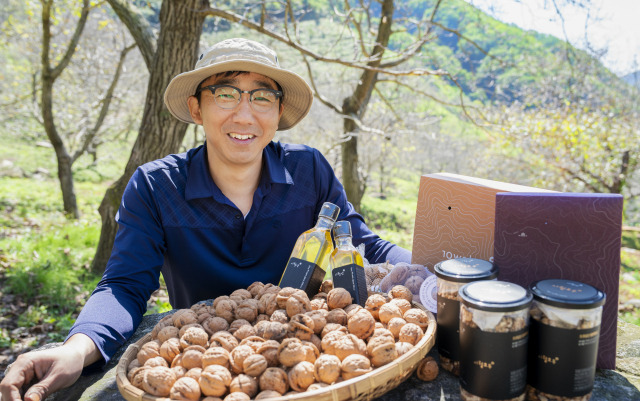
(240, 54)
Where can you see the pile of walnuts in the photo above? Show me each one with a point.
(266, 341)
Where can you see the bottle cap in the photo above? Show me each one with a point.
(495, 296)
(465, 270)
(342, 229)
(330, 211)
(567, 294)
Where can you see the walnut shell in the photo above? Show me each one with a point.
(244, 331)
(401, 303)
(332, 327)
(236, 396)
(338, 316)
(382, 350)
(373, 304)
(215, 324)
(240, 295)
(355, 365)
(301, 376)
(255, 288)
(274, 379)
(185, 388)
(267, 304)
(327, 368)
(301, 326)
(347, 345)
(350, 310)
(247, 310)
(326, 286)
(238, 355)
(180, 371)
(156, 361)
(297, 303)
(403, 347)
(329, 340)
(417, 316)
(254, 342)
(427, 369)
(137, 371)
(291, 351)
(183, 317)
(283, 295)
(226, 309)
(280, 316)
(319, 320)
(215, 380)
(194, 373)
(400, 291)
(186, 327)
(216, 356)
(168, 332)
(410, 333)
(268, 289)
(263, 395)
(158, 381)
(223, 339)
(269, 349)
(338, 298)
(148, 350)
(394, 326)
(388, 311)
(194, 336)
(236, 324)
(319, 303)
(362, 323)
(170, 349)
(274, 331)
(254, 365)
(192, 359)
(244, 384)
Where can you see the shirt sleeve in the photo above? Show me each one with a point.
(115, 308)
(330, 189)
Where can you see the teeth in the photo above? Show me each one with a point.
(242, 137)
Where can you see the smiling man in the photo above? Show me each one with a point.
(211, 220)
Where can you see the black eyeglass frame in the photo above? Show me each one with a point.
(212, 89)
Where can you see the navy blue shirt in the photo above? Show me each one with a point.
(175, 220)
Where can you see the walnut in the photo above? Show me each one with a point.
(185, 388)
(192, 359)
(268, 289)
(226, 309)
(194, 373)
(198, 348)
(180, 371)
(223, 339)
(260, 326)
(301, 376)
(269, 349)
(291, 351)
(400, 291)
(355, 365)
(382, 332)
(216, 356)
(244, 331)
(388, 311)
(267, 304)
(283, 295)
(168, 332)
(382, 350)
(315, 340)
(301, 326)
(275, 331)
(186, 327)
(332, 327)
(401, 303)
(204, 316)
(338, 298)
(199, 306)
(329, 340)
(417, 316)
(319, 303)
(158, 380)
(327, 368)
(247, 310)
(133, 364)
(311, 351)
(427, 369)
(263, 395)
(194, 336)
(136, 376)
(255, 288)
(238, 355)
(317, 386)
(403, 347)
(183, 317)
(262, 317)
(347, 345)
(373, 304)
(280, 316)
(254, 365)
(156, 361)
(215, 324)
(240, 295)
(254, 342)
(394, 326)
(148, 350)
(236, 324)
(319, 320)
(215, 380)
(337, 316)
(244, 384)
(352, 309)
(411, 333)
(164, 322)
(362, 323)
(170, 349)
(177, 361)
(274, 379)
(236, 396)
(326, 286)
(298, 303)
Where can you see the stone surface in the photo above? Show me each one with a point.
(621, 384)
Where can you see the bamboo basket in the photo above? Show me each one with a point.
(366, 387)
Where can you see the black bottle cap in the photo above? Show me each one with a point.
(330, 211)
(567, 294)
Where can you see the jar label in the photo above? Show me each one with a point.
(351, 278)
(448, 332)
(562, 361)
(493, 365)
(302, 274)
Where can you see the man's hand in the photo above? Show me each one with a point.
(38, 374)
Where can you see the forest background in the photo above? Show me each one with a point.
(401, 89)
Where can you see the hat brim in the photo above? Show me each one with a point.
(297, 98)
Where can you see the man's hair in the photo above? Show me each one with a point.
(227, 74)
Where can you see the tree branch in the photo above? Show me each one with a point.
(73, 43)
(138, 27)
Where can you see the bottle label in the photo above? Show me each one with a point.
(493, 365)
(448, 332)
(562, 362)
(351, 278)
(304, 275)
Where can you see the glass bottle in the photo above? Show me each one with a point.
(309, 259)
(346, 264)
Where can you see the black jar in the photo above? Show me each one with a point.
(564, 335)
(494, 320)
(452, 274)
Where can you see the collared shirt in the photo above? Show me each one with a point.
(175, 220)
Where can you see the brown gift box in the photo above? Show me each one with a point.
(455, 217)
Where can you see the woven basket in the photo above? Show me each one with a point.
(365, 387)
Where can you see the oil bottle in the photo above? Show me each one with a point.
(346, 264)
(309, 260)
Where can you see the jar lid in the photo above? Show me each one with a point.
(466, 269)
(495, 296)
(567, 293)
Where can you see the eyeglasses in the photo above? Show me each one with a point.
(228, 97)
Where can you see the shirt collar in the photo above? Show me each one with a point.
(201, 185)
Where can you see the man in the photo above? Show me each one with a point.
(213, 219)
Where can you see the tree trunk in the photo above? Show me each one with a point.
(160, 133)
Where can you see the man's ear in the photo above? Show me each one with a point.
(281, 111)
(194, 109)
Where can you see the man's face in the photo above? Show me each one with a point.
(236, 136)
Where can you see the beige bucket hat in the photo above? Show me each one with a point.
(240, 54)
